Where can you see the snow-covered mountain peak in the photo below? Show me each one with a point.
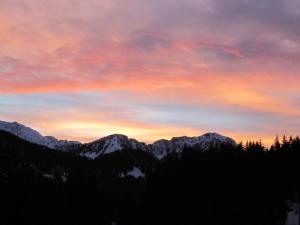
(163, 147)
(33, 136)
(213, 134)
(109, 144)
(216, 137)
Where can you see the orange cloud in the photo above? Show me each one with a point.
(230, 91)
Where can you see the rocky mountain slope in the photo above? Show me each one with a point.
(33, 136)
(209, 140)
(109, 144)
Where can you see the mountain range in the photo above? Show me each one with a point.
(116, 178)
(117, 142)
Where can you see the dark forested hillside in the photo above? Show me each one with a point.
(238, 185)
(43, 186)
(244, 188)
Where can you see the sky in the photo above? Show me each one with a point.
(84, 69)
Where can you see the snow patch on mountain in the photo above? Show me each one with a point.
(90, 155)
(293, 215)
(113, 144)
(135, 172)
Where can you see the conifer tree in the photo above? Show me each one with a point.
(277, 144)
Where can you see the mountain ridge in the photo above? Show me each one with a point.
(34, 136)
(117, 142)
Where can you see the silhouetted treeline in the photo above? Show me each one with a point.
(243, 185)
(239, 185)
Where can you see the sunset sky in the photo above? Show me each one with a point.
(151, 69)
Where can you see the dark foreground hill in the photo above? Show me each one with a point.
(238, 185)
